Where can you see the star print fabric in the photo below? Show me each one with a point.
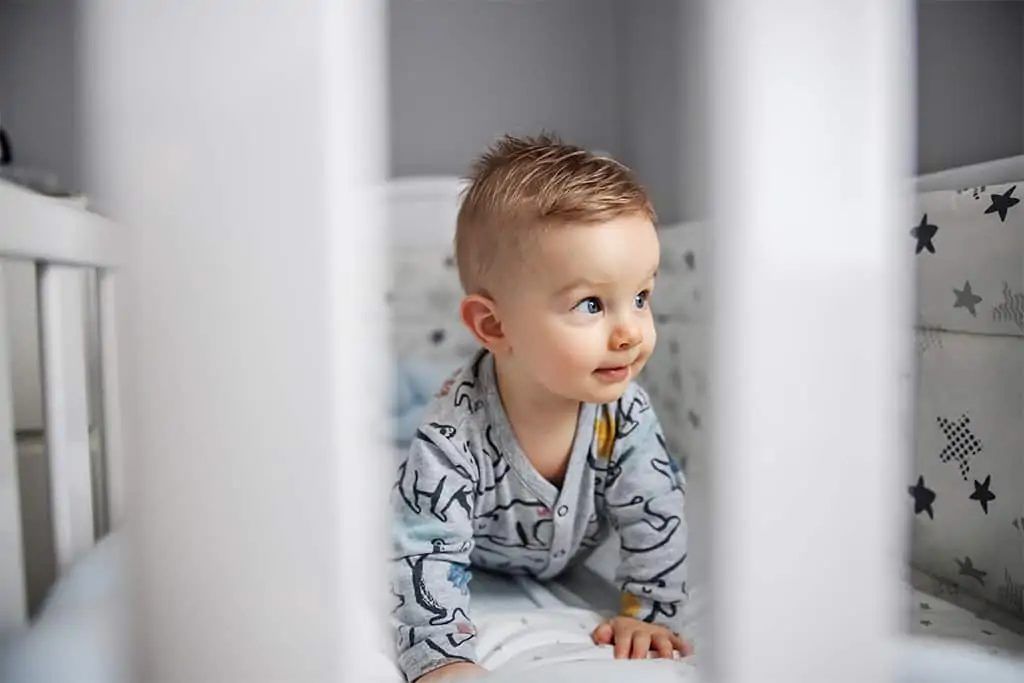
(966, 247)
(964, 493)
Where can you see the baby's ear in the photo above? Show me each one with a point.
(479, 314)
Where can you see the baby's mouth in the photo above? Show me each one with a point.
(615, 373)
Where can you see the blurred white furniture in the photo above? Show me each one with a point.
(59, 240)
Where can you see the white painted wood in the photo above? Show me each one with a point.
(40, 228)
(812, 271)
(353, 82)
(110, 388)
(13, 600)
(251, 313)
(66, 412)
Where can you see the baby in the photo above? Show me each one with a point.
(530, 454)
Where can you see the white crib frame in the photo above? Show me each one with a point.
(62, 240)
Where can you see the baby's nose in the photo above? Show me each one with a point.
(625, 337)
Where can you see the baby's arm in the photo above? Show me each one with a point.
(645, 498)
(432, 508)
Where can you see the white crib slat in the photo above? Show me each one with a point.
(811, 334)
(66, 410)
(12, 564)
(247, 404)
(111, 400)
(812, 273)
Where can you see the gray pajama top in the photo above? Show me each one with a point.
(467, 495)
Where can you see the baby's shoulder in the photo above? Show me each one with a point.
(456, 413)
(459, 397)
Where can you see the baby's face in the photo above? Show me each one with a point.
(579, 319)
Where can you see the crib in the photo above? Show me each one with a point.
(517, 617)
(252, 398)
(64, 241)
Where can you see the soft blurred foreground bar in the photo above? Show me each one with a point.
(810, 155)
(243, 148)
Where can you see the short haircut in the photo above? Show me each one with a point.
(522, 184)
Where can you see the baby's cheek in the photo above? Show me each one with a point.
(560, 342)
(568, 358)
(566, 363)
(650, 338)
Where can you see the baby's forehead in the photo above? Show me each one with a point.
(559, 258)
(568, 279)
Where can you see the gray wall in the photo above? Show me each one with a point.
(465, 71)
(970, 82)
(652, 97)
(38, 84)
(662, 94)
(602, 73)
(970, 79)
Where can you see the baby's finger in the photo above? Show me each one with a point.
(623, 642)
(663, 645)
(641, 645)
(602, 635)
(679, 643)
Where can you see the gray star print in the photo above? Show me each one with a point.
(965, 298)
(968, 569)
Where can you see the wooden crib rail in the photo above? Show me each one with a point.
(66, 243)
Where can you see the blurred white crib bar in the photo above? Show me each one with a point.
(810, 107)
(65, 242)
(66, 411)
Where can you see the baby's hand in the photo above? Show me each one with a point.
(633, 639)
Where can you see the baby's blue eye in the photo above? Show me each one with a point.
(641, 299)
(591, 306)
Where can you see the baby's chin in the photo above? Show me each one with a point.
(596, 391)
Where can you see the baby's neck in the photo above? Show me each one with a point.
(527, 401)
(544, 424)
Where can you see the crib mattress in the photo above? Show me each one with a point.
(932, 616)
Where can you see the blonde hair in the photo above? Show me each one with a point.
(520, 185)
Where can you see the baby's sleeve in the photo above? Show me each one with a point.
(645, 498)
(432, 507)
